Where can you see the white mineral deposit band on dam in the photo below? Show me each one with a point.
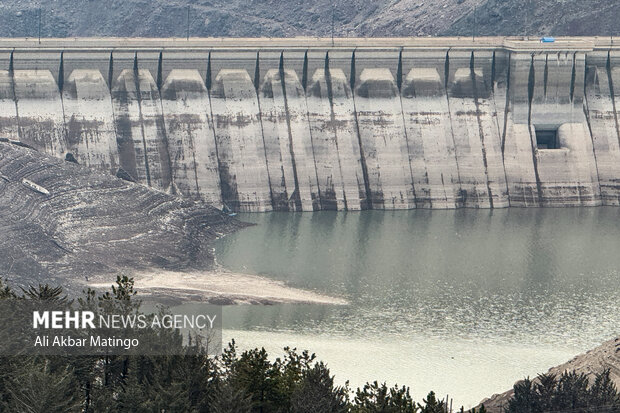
(345, 124)
(107, 43)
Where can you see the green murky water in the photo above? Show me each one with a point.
(463, 302)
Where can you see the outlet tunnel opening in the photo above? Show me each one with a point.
(547, 138)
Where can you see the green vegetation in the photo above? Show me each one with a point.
(235, 382)
(571, 392)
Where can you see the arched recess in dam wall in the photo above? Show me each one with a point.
(330, 129)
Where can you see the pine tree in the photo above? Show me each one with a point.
(545, 389)
(316, 393)
(603, 392)
(228, 399)
(572, 392)
(375, 397)
(37, 388)
(524, 399)
(432, 405)
(253, 373)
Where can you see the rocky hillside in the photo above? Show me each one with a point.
(62, 222)
(595, 361)
(538, 17)
(61, 18)
(283, 18)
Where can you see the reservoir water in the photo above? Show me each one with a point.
(461, 302)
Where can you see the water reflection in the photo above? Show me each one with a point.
(519, 275)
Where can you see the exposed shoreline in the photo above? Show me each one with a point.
(218, 287)
(62, 221)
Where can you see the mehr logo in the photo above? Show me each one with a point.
(63, 319)
(86, 319)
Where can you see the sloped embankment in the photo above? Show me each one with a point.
(595, 361)
(61, 222)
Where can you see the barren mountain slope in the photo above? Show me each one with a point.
(285, 18)
(538, 17)
(62, 221)
(253, 18)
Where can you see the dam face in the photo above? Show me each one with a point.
(312, 124)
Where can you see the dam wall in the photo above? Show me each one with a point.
(319, 124)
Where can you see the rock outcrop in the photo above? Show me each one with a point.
(63, 222)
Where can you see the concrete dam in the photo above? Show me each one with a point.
(319, 124)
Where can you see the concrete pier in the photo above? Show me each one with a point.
(319, 124)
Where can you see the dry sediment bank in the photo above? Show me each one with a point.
(219, 287)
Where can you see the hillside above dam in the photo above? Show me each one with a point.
(328, 124)
(287, 18)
